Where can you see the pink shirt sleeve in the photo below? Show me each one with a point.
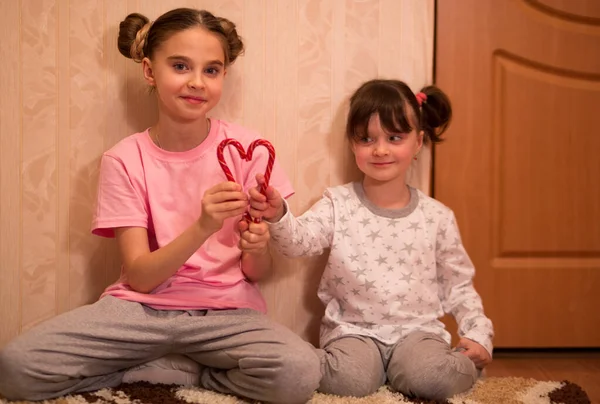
(119, 204)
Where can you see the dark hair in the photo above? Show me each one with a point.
(397, 106)
(139, 38)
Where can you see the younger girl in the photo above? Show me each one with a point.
(188, 278)
(396, 262)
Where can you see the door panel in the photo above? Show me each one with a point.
(521, 165)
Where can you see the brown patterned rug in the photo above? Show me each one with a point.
(492, 390)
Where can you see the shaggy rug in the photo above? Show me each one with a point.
(492, 390)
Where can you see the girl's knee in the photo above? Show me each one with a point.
(347, 387)
(459, 372)
(298, 377)
(351, 367)
(14, 382)
(438, 378)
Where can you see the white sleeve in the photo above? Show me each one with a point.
(309, 234)
(458, 295)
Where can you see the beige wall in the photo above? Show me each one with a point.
(67, 95)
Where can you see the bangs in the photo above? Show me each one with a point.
(382, 99)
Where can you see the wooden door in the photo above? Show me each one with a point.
(521, 164)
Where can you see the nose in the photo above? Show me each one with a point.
(380, 149)
(196, 81)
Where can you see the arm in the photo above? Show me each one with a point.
(257, 267)
(256, 262)
(458, 295)
(308, 235)
(146, 270)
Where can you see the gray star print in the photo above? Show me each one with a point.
(381, 260)
(343, 233)
(374, 235)
(368, 285)
(408, 247)
(442, 233)
(338, 280)
(359, 271)
(414, 226)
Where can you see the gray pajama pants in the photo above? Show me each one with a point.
(242, 352)
(422, 365)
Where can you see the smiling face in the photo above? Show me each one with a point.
(385, 156)
(187, 71)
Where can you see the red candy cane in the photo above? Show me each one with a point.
(247, 155)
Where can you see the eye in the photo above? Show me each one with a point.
(212, 71)
(179, 66)
(364, 140)
(396, 138)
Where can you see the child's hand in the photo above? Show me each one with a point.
(221, 202)
(270, 206)
(254, 237)
(476, 352)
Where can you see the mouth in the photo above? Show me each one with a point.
(381, 165)
(194, 100)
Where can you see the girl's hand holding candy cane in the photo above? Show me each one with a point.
(254, 237)
(268, 205)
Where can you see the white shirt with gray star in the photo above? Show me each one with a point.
(389, 272)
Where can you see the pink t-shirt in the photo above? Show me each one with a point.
(142, 185)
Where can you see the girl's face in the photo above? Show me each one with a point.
(187, 71)
(386, 157)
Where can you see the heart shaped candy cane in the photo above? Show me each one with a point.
(247, 155)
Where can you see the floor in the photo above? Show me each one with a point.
(580, 367)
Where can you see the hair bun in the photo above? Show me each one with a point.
(133, 31)
(235, 44)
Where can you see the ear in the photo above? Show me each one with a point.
(148, 72)
(352, 145)
(420, 137)
(225, 70)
